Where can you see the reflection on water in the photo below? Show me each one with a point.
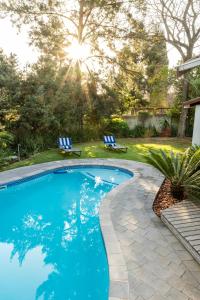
(50, 241)
(21, 281)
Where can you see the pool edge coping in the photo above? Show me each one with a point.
(116, 261)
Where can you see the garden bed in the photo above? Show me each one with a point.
(164, 199)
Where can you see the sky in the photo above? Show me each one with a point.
(17, 43)
(12, 41)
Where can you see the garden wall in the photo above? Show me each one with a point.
(154, 120)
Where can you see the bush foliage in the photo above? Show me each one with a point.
(118, 127)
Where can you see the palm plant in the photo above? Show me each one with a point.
(191, 150)
(182, 170)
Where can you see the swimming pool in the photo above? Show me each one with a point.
(51, 245)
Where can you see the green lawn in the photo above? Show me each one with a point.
(137, 149)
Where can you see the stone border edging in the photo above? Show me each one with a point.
(115, 256)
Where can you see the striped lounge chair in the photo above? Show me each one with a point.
(110, 143)
(65, 144)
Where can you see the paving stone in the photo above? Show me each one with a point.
(132, 265)
(131, 227)
(114, 298)
(196, 276)
(117, 260)
(157, 297)
(189, 278)
(134, 281)
(174, 294)
(161, 286)
(118, 273)
(144, 290)
(184, 255)
(192, 292)
(178, 269)
(163, 251)
(119, 289)
(192, 266)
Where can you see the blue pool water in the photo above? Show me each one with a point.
(51, 247)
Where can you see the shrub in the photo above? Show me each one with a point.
(118, 127)
(89, 133)
(151, 132)
(182, 170)
(6, 140)
(31, 144)
(174, 130)
(164, 124)
(138, 131)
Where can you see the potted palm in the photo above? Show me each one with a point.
(165, 129)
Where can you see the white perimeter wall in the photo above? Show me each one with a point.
(196, 130)
(156, 121)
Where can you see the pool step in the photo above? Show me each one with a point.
(62, 171)
(103, 180)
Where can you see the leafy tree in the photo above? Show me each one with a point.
(56, 24)
(10, 79)
(130, 85)
(181, 22)
(63, 94)
(194, 87)
(193, 91)
(157, 69)
(141, 76)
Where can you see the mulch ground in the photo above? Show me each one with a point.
(164, 199)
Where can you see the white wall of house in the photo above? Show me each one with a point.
(196, 130)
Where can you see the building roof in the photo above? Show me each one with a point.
(188, 65)
(192, 102)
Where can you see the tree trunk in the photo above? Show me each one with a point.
(184, 111)
(80, 100)
(78, 64)
(182, 122)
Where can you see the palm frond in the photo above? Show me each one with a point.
(183, 170)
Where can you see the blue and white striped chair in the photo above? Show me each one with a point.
(65, 144)
(110, 143)
(109, 140)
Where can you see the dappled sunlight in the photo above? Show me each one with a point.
(137, 150)
(145, 147)
(148, 186)
(90, 151)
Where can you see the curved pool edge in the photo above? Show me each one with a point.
(118, 271)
